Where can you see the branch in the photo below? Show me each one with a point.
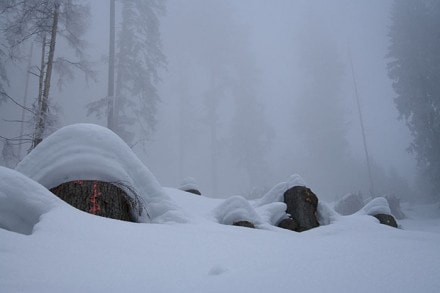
(3, 93)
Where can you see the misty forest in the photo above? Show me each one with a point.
(238, 94)
(241, 113)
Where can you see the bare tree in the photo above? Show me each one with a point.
(43, 21)
(138, 58)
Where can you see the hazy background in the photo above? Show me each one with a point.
(291, 108)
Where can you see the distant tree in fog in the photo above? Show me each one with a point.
(3, 76)
(44, 21)
(250, 133)
(318, 114)
(415, 71)
(138, 59)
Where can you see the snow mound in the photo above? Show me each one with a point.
(92, 152)
(234, 209)
(276, 193)
(23, 201)
(272, 213)
(188, 184)
(378, 205)
(326, 215)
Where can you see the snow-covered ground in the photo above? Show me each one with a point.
(49, 246)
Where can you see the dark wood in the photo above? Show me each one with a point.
(194, 191)
(98, 198)
(386, 220)
(302, 205)
(289, 224)
(246, 224)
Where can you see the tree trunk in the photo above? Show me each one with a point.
(40, 90)
(98, 198)
(25, 96)
(43, 111)
(111, 69)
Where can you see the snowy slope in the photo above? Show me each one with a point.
(72, 251)
(61, 249)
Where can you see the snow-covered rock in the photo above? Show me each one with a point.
(92, 152)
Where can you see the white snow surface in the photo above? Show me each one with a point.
(49, 246)
(378, 205)
(72, 251)
(23, 201)
(92, 152)
(234, 209)
(276, 193)
(188, 184)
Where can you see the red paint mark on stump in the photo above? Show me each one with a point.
(95, 208)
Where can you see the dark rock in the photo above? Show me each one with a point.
(194, 191)
(289, 224)
(302, 204)
(394, 204)
(349, 204)
(98, 198)
(386, 220)
(244, 224)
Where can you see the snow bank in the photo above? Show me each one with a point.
(92, 152)
(188, 184)
(272, 213)
(326, 215)
(378, 205)
(277, 192)
(23, 201)
(234, 209)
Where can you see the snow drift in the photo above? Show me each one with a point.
(23, 201)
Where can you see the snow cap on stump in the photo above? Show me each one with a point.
(92, 152)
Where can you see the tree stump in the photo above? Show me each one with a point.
(193, 191)
(246, 224)
(98, 198)
(302, 205)
(289, 224)
(386, 220)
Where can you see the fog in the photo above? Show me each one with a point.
(255, 91)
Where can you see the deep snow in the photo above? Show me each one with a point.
(57, 248)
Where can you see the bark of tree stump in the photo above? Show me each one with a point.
(246, 224)
(386, 220)
(288, 224)
(98, 198)
(193, 191)
(302, 205)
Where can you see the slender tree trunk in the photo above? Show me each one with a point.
(183, 117)
(40, 89)
(214, 140)
(111, 69)
(361, 120)
(43, 110)
(25, 96)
